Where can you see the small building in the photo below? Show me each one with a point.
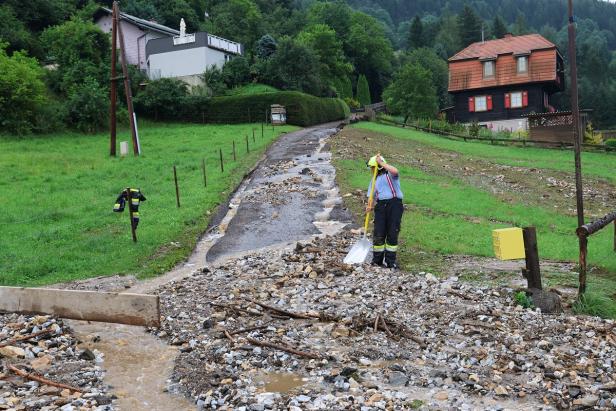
(497, 83)
(137, 33)
(278, 114)
(187, 56)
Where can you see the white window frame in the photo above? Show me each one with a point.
(492, 63)
(485, 103)
(519, 61)
(511, 99)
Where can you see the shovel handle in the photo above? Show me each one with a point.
(370, 198)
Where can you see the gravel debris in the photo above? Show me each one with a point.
(44, 346)
(366, 338)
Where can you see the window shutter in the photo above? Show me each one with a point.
(507, 100)
(471, 104)
(489, 102)
(525, 99)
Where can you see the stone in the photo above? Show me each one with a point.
(397, 378)
(441, 396)
(587, 401)
(340, 331)
(41, 363)
(87, 355)
(500, 390)
(12, 352)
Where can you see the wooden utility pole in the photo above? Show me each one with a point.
(532, 272)
(117, 35)
(577, 142)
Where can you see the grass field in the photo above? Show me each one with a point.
(250, 89)
(451, 211)
(58, 193)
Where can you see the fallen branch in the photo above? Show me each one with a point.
(40, 379)
(237, 309)
(25, 338)
(245, 330)
(229, 336)
(460, 295)
(376, 323)
(285, 348)
(386, 327)
(304, 316)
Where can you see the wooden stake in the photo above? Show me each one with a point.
(204, 173)
(234, 157)
(247, 149)
(262, 130)
(532, 271)
(222, 166)
(133, 229)
(253, 135)
(177, 190)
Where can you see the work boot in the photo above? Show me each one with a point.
(377, 258)
(390, 260)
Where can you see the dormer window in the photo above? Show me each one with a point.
(488, 69)
(522, 64)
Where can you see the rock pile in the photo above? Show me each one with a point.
(368, 338)
(43, 368)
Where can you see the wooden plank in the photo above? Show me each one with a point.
(121, 308)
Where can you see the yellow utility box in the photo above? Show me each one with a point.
(508, 243)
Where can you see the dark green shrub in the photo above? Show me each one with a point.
(213, 80)
(611, 142)
(302, 109)
(236, 72)
(88, 106)
(162, 99)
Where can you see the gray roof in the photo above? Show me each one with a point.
(143, 24)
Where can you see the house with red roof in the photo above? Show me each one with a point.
(496, 83)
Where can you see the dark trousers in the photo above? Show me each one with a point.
(387, 219)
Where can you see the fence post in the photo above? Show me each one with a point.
(247, 149)
(532, 272)
(234, 158)
(222, 166)
(253, 135)
(204, 173)
(261, 129)
(177, 190)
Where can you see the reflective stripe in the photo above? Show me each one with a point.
(135, 214)
(392, 248)
(391, 186)
(378, 248)
(116, 206)
(134, 190)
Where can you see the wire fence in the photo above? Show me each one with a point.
(496, 140)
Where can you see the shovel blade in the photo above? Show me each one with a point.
(359, 252)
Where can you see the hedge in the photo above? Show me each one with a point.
(302, 109)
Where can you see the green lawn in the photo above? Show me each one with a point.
(447, 216)
(250, 89)
(58, 193)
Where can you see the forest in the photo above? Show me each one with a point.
(54, 62)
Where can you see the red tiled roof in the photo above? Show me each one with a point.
(512, 44)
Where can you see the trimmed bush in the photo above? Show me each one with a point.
(302, 109)
(611, 142)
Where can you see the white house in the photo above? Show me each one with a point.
(137, 33)
(187, 56)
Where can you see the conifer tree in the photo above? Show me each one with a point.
(363, 91)
(416, 34)
(469, 26)
(499, 29)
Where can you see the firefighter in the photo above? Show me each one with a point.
(387, 212)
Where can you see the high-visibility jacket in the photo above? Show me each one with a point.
(134, 197)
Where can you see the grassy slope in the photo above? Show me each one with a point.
(58, 192)
(447, 216)
(597, 164)
(250, 89)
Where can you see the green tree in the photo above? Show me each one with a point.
(428, 59)
(416, 34)
(214, 81)
(520, 27)
(447, 38)
(336, 14)
(236, 72)
(363, 91)
(238, 20)
(22, 91)
(328, 49)
(469, 26)
(294, 66)
(143, 9)
(13, 31)
(499, 28)
(344, 87)
(171, 11)
(266, 47)
(411, 93)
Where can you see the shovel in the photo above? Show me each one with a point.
(360, 249)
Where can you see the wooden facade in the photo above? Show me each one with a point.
(503, 80)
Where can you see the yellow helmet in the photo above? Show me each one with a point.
(372, 162)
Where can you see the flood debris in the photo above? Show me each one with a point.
(360, 337)
(44, 367)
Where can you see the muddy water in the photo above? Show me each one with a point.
(279, 382)
(138, 365)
